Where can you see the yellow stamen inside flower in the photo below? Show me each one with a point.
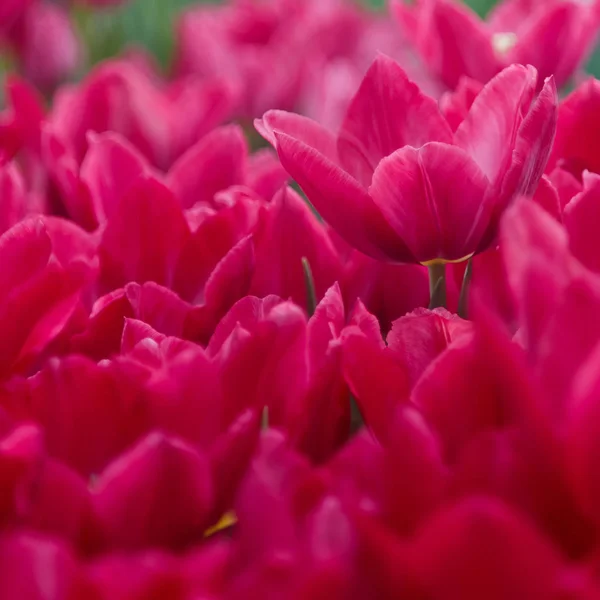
(443, 261)
(503, 42)
(227, 520)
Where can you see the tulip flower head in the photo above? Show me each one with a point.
(397, 184)
(556, 36)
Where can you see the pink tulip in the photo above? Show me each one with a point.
(554, 36)
(398, 185)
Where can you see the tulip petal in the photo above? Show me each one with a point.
(287, 232)
(582, 436)
(489, 131)
(481, 548)
(134, 500)
(229, 458)
(547, 197)
(455, 105)
(110, 167)
(388, 112)
(215, 163)
(24, 250)
(510, 15)
(414, 473)
(213, 239)
(574, 149)
(158, 306)
(422, 335)
(42, 60)
(300, 128)
(378, 382)
(387, 290)
(246, 313)
(533, 144)
(308, 153)
(530, 238)
(14, 196)
(265, 174)
(340, 200)
(434, 199)
(87, 414)
(555, 295)
(556, 39)
(454, 42)
(144, 238)
(582, 215)
(33, 567)
(566, 184)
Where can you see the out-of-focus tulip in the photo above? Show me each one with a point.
(574, 149)
(160, 121)
(556, 36)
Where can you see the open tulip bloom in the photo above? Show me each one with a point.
(397, 184)
(556, 36)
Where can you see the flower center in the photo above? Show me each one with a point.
(444, 261)
(225, 522)
(503, 42)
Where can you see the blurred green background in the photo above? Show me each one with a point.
(149, 22)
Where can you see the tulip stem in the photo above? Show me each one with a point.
(356, 418)
(309, 282)
(463, 301)
(437, 285)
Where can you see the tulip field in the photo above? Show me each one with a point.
(299, 299)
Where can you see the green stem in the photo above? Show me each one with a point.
(356, 418)
(463, 301)
(309, 282)
(437, 285)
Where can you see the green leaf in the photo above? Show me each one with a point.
(149, 23)
(481, 7)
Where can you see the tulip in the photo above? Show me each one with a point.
(21, 556)
(517, 560)
(210, 266)
(260, 347)
(12, 188)
(574, 150)
(388, 291)
(566, 185)
(555, 36)
(580, 214)
(455, 105)
(422, 335)
(398, 185)
(122, 97)
(157, 306)
(322, 420)
(153, 572)
(83, 435)
(262, 47)
(143, 477)
(46, 44)
(287, 232)
(41, 282)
